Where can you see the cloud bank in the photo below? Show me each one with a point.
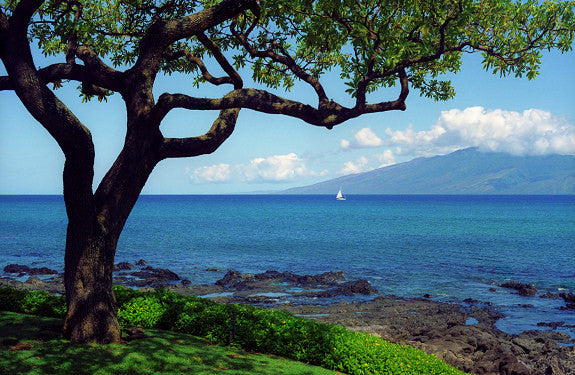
(277, 168)
(532, 132)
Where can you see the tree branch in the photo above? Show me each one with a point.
(328, 115)
(72, 38)
(284, 59)
(221, 129)
(221, 59)
(164, 33)
(111, 80)
(200, 64)
(3, 25)
(398, 104)
(5, 83)
(102, 74)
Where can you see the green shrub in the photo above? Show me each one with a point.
(269, 331)
(11, 299)
(145, 311)
(124, 294)
(280, 333)
(32, 302)
(206, 319)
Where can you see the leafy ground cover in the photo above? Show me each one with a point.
(249, 328)
(33, 345)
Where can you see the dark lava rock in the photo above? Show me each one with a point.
(553, 325)
(568, 297)
(162, 273)
(142, 274)
(273, 275)
(152, 277)
(23, 270)
(271, 280)
(230, 278)
(527, 290)
(359, 286)
(42, 271)
(236, 279)
(186, 282)
(141, 262)
(326, 278)
(123, 266)
(550, 295)
(17, 268)
(471, 301)
(348, 289)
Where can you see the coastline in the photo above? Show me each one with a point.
(464, 336)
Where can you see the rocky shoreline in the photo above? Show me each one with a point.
(464, 336)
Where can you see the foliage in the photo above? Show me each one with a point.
(32, 302)
(142, 312)
(33, 345)
(367, 42)
(269, 331)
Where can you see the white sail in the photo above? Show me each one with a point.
(339, 196)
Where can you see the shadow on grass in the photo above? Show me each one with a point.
(33, 345)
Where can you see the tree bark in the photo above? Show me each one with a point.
(92, 311)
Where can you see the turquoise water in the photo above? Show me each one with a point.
(452, 247)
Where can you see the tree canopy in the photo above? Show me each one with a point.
(371, 43)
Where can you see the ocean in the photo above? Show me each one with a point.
(451, 247)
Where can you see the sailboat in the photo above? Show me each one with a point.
(339, 196)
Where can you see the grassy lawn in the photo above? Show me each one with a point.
(33, 345)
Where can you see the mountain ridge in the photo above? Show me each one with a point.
(467, 171)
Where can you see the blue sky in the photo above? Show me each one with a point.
(271, 152)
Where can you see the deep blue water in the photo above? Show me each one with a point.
(452, 247)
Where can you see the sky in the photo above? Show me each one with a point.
(272, 152)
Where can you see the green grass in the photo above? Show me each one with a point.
(33, 345)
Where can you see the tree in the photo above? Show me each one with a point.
(120, 46)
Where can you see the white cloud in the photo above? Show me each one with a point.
(365, 164)
(213, 173)
(344, 144)
(361, 165)
(367, 138)
(532, 132)
(277, 168)
(362, 138)
(385, 159)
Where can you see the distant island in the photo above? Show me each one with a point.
(467, 171)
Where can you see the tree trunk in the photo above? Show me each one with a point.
(95, 223)
(92, 312)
